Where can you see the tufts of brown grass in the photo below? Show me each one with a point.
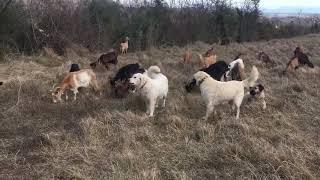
(100, 137)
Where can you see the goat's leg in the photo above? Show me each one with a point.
(66, 95)
(95, 84)
(75, 92)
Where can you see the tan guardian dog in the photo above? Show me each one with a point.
(215, 92)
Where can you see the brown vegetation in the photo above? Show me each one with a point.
(108, 138)
(187, 56)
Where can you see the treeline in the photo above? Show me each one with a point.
(29, 25)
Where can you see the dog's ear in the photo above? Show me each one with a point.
(197, 82)
(208, 76)
(142, 80)
(261, 88)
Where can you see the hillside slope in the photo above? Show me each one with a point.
(100, 137)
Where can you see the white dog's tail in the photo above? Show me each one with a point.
(153, 71)
(200, 57)
(253, 77)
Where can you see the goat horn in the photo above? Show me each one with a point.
(54, 85)
(54, 88)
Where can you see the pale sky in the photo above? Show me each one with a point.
(285, 3)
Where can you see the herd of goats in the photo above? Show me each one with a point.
(219, 82)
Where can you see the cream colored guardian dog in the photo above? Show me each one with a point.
(152, 86)
(215, 92)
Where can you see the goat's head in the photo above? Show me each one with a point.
(93, 65)
(298, 51)
(261, 53)
(56, 94)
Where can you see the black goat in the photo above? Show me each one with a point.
(216, 71)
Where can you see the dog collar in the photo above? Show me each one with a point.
(202, 80)
(143, 85)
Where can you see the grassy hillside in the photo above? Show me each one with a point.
(101, 137)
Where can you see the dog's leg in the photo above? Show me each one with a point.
(238, 112)
(209, 111)
(231, 103)
(264, 104)
(157, 102)
(152, 104)
(148, 107)
(238, 102)
(164, 101)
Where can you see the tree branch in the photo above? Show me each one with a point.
(5, 7)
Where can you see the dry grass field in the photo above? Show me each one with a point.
(101, 137)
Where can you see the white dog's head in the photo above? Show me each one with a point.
(137, 81)
(200, 76)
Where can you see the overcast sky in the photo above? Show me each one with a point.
(292, 3)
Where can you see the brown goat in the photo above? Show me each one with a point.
(124, 46)
(208, 58)
(73, 81)
(106, 59)
(292, 65)
(264, 57)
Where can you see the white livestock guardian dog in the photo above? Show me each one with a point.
(152, 86)
(216, 92)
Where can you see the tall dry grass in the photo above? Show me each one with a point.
(100, 137)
